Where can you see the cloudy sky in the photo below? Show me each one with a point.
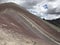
(47, 9)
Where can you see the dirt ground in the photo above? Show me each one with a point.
(15, 30)
(13, 33)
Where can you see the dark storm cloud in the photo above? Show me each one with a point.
(51, 0)
(53, 11)
(31, 3)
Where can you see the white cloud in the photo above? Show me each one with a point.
(41, 11)
(37, 8)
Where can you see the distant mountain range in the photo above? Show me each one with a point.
(55, 22)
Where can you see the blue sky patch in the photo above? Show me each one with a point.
(45, 6)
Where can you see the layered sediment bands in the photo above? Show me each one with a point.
(16, 27)
(14, 31)
(11, 20)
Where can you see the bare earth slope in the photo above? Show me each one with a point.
(17, 30)
(14, 30)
